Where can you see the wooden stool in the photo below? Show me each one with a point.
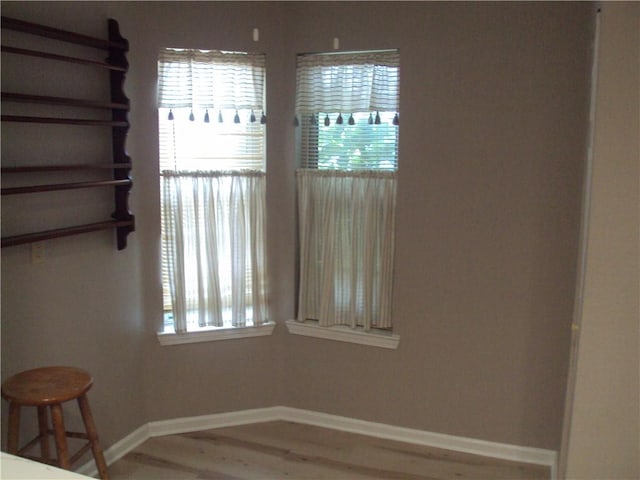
(50, 387)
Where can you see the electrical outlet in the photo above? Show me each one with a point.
(37, 252)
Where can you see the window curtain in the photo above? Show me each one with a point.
(348, 82)
(216, 219)
(346, 247)
(213, 194)
(346, 217)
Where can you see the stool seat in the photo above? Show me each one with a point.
(47, 389)
(47, 385)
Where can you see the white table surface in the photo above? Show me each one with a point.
(21, 468)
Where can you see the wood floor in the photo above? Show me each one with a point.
(285, 450)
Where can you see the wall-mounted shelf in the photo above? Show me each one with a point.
(116, 66)
(70, 102)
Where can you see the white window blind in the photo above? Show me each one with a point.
(194, 145)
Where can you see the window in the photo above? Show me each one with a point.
(212, 164)
(347, 111)
(357, 143)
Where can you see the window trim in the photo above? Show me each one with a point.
(252, 100)
(341, 333)
(315, 97)
(214, 334)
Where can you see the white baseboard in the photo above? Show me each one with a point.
(485, 448)
(216, 420)
(420, 437)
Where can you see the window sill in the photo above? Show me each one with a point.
(216, 334)
(345, 334)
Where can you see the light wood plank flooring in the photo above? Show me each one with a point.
(285, 450)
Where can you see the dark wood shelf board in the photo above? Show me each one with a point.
(63, 186)
(66, 168)
(61, 58)
(63, 121)
(64, 101)
(62, 35)
(65, 232)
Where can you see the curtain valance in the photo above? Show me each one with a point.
(210, 79)
(348, 82)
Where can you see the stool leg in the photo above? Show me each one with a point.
(92, 433)
(60, 436)
(43, 426)
(14, 428)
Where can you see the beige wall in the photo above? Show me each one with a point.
(493, 115)
(604, 435)
(84, 305)
(494, 100)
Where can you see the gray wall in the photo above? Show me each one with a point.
(492, 139)
(494, 101)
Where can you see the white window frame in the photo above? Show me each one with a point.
(341, 333)
(226, 332)
(375, 337)
(215, 334)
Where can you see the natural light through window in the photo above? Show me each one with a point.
(358, 142)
